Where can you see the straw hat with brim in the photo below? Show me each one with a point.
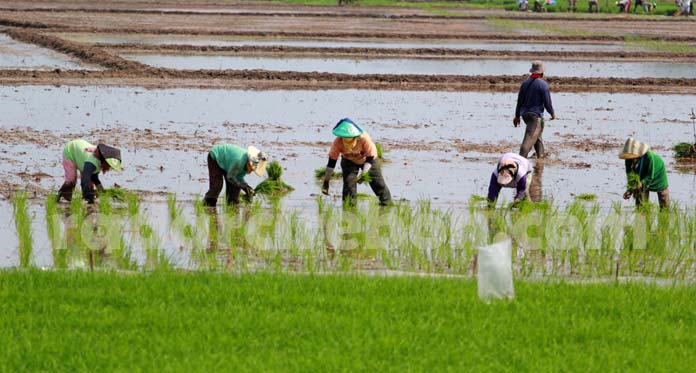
(537, 67)
(115, 164)
(258, 160)
(633, 149)
(346, 128)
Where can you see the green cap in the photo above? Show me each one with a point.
(114, 163)
(346, 128)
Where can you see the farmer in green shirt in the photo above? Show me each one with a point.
(650, 168)
(231, 163)
(79, 155)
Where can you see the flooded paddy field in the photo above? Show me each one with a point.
(418, 66)
(441, 139)
(166, 134)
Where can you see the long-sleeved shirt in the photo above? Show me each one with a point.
(519, 182)
(232, 159)
(534, 97)
(82, 154)
(651, 170)
(363, 151)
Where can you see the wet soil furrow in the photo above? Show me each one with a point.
(262, 79)
(84, 52)
(393, 52)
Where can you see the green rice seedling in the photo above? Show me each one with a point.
(273, 185)
(23, 220)
(133, 204)
(105, 206)
(380, 151)
(633, 182)
(365, 178)
(684, 150)
(586, 197)
(116, 194)
(53, 229)
(172, 209)
(319, 174)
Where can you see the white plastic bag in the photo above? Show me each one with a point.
(495, 271)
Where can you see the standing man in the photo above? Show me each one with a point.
(650, 171)
(231, 163)
(533, 98)
(358, 153)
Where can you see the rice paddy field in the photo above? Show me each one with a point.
(150, 279)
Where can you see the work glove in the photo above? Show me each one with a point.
(325, 187)
(365, 171)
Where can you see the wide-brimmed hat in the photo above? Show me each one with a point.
(537, 68)
(111, 155)
(633, 149)
(504, 178)
(346, 128)
(258, 160)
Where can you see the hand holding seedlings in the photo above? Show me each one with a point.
(325, 187)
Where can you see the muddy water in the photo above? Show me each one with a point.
(16, 55)
(419, 66)
(439, 145)
(222, 41)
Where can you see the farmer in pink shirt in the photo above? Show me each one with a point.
(358, 153)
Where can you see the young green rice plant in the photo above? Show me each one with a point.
(380, 151)
(53, 229)
(586, 197)
(684, 150)
(273, 186)
(22, 221)
(116, 194)
(633, 182)
(133, 204)
(365, 178)
(319, 174)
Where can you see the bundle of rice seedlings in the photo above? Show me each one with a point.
(633, 182)
(319, 173)
(684, 150)
(273, 185)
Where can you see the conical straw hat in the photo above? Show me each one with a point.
(633, 149)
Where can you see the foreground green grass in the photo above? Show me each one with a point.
(210, 322)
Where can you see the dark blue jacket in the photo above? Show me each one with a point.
(534, 96)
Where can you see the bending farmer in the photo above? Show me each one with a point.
(645, 172)
(512, 171)
(232, 163)
(533, 98)
(357, 152)
(79, 155)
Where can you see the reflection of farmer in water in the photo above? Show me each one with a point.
(512, 171)
(79, 155)
(646, 173)
(357, 152)
(231, 163)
